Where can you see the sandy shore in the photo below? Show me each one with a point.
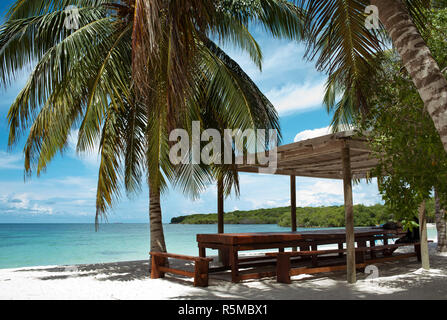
(130, 280)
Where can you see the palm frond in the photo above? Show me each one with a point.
(134, 154)
(23, 42)
(281, 18)
(52, 70)
(111, 147)
(337, 38)
(110, 83)
(22, 9)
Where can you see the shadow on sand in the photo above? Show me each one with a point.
(397, 280)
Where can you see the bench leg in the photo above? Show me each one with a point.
(155, 270)
(314, 257)
(283, 268)
(417, 250)
(340, 247)
(360, 256)
(224, 257)
(372, 244)
(234, 259)
(201, 274)
(304, 248)
(387, 252)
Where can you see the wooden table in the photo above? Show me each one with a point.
(232, 243)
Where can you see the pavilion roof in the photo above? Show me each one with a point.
(322, 157)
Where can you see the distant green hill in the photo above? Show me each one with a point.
(306, 217)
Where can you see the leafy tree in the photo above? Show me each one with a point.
(412, 157)
(345, 48)
(307, 217)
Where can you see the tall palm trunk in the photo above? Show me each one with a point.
(156, 226)
(418, 60)
(441, 225)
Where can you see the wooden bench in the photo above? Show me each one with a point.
(201, 267)
(284, 270)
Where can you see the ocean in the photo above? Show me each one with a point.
(26, 245)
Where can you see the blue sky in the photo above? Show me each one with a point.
(66, 192)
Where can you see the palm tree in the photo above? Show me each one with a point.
(338, 33)
(130, 73)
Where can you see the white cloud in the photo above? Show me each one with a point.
(10, 161)
(314, 133)
(297, 97)
(309, 134)
(284, 58)
(24, 203)
(319, 192)
(60, 196)
(278, 61)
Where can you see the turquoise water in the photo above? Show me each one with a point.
(25, 245)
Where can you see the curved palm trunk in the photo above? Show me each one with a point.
(156, 226)
(418, 60)
(441, 225)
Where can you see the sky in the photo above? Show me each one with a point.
(66, 192)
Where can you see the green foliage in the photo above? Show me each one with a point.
(334, 216)
(343, 47)
(259, 216)
(403, 136)
(323, 217)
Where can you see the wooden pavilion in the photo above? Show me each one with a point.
(342, 155)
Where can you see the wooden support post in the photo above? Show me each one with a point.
(360, 256)
(417, 250)
(349, 216)
(283, 268)
(223, 254)
(372, 244)
(202, 252)
(386, 252)
(293, 202)
(314, 257)
(304, 248)
(293, 205)
(423, 235)
(234, 258)
(201, 270)
(220, 206)
(340, 247)
(157, 262)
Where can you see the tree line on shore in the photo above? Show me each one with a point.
(307, 217)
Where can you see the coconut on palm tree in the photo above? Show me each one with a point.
(130, 73)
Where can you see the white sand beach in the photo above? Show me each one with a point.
(130, 280)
